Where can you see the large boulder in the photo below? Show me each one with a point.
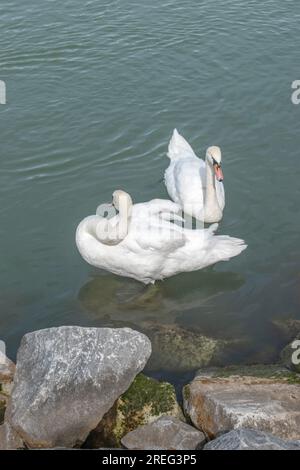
(166, 433)
(146, 400)
(67, 378)
(259, 397)
(250, 439)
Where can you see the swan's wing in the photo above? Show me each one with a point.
(155, 207)
(189, 184)
(202, 171)
(172, 217)
(159, 206)
(220, 194)
(151, 228)
(179, 147)
(160, 238)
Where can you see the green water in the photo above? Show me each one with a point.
(94, 90)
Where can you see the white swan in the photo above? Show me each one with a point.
(197, 186)
(149, 245)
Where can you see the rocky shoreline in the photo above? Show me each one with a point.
(75, 387)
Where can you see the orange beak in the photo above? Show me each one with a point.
(218, 172)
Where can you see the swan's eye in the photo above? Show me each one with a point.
(215, 162)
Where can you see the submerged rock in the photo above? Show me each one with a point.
(67, 378)
(146, 400)
(250, 439)
(177, 348)
(260, 397)
(166, 433)
(288, 328)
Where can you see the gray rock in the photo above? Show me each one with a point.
(67, 378)
(265, 398)
(166, 433)
(250, 439)
(9, 439)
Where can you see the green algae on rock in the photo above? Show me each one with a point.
(7, 371)
(274, 372)
(180, 349)
(145, 401)
(2, 408)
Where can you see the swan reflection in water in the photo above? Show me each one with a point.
(159, 311)
(111, 298)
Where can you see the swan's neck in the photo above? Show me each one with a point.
(124, 218)
(124, 213)
(113, 231)
(88, 226)
(212, 211)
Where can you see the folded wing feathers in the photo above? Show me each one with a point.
(179, 147)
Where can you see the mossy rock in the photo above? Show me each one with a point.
(4, 395)
(273, 372)
(2, 408)
(180, 349)
(145, 401)
(5, 389)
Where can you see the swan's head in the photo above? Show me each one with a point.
(121, 200)
(214, 157)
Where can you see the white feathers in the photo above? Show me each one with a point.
(179, 147)
(155, 247)
(191, 182)
(150, 241)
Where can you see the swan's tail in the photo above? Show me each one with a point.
(179, 147)
(223, 247)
